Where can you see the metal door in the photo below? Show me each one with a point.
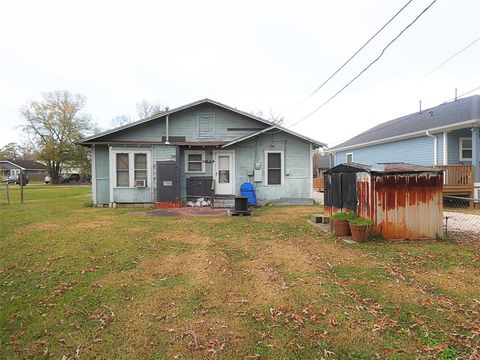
(167, 181)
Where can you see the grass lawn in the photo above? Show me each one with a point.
(85, 282)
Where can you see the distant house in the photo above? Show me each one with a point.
(202, 149)
(446, 136)
(33, 169)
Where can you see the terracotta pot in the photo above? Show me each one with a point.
(360, 233)
(340, 227)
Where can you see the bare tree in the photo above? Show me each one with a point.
(146, 109)
(272, 117)
(121, 120)
(55, 123)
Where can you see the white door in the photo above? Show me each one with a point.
(224, 173)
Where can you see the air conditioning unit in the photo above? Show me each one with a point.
(140, 183)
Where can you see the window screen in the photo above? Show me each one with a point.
(122, 170)
(141, 167)
(274, 168)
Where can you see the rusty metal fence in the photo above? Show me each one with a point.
(461, 218)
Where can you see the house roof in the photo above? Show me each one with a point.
(381, 168)
(25, 164)
(459, 113)
(91, 139)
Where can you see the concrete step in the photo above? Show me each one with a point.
(224, 202)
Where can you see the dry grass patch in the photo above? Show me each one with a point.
(39, 227)
(459, 281)
(95, 224)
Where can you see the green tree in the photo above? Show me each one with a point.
(56, 122)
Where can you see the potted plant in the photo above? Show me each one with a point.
(340, 223)
(361, 228)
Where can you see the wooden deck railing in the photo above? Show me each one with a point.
(457, 175)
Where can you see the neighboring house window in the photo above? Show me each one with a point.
(349, 157)
(140, 168)
(206, 125)
(194, 161)
(274, 166)
(122, 170)
(465, 149)
(15, 172)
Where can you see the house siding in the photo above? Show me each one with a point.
(417, 151)
(297, 173)
(185, 124)
(102, 175)
(454, 145)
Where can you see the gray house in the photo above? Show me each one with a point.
(33, 169)
(446, 136)
(201, 149)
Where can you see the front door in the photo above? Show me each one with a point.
(224, 173)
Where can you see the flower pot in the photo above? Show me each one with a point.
(360, 233)
(340, 227)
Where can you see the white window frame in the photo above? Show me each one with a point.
(282, 164)
(214, 125)
(346, 157)
(194, 152)
(131, 170)
(460, 146)
(14, 172)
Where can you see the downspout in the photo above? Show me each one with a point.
(435, 147)
(166, 131)
(166, 127)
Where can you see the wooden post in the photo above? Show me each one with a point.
(8, 193)
(21, 186)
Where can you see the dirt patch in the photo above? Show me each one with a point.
(94, 224)
(39, 227)
(187, 211)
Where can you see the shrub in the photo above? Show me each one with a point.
(361, 221)
(344, 216)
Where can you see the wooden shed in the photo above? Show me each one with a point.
(404, 201)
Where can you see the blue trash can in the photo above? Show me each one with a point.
(247, 190)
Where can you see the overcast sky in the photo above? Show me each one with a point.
(253, 55)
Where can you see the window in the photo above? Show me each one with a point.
(122, 171)
(465, 149)
(131, 168)
(274, 166)
(15, 172)
(140, 168)
(194, 161)
(205, 125)
(349, 157)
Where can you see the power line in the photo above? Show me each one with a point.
(451, 57)
(365, 69)
(355, 54)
